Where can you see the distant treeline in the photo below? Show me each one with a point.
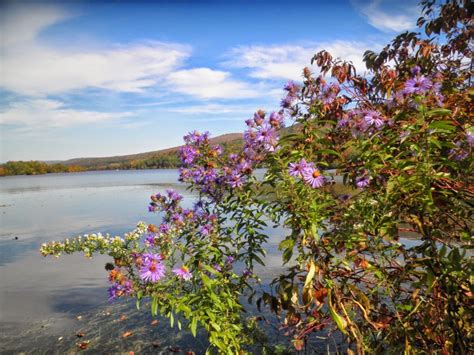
(164, 159)
(35, 168)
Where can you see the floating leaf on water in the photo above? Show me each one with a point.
(127, 334)
(156, 344)
(83, 345)
(80, 334)
(174, 349)
(122, 317)
(79, 317)
(154, 322)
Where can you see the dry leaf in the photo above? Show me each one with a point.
(80, 334)
(79, 317)
(154, 322)
(83, 345)
(122, 317)
(127, 334)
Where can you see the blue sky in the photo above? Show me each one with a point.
(97, 79)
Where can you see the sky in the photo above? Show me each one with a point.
(92, 79)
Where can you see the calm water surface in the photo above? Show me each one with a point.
(45, 302)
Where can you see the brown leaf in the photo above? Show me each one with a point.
(154, 322)
(298, 344)
(127, 334)
(122, 317)
(80, 334)
(83, 345)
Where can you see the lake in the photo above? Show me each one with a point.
(54, 305)
(46, 302)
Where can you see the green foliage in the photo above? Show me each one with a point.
(401, 140)
(35, 168)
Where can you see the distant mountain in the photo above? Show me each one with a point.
(165, 158)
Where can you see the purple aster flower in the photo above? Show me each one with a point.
(173, 195)
(297, 169)
(150, 238)
(458, 153)
(235, 180)
(258, 117)
(291, 87)
(362, 181)
(373, 118)
(343, 122)
(313, 177)
(250, 123)
(217, 267)
(152, 269)
(206, 229)
(164, 228)
(183, 273)
(287, 101)
(266, 134)
(152, 208)
(230, 259)
(247, 273)
(177, 219)
(418, 85)
(187, 154)
(119, 289)
(276, 119)
(115, 291)
(415, 70)
(470, 138)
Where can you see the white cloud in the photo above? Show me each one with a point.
(31, 67)
(37, 70)
(22, 23)
(205, 83)
(41, 113)
(214, 109)
(287, 61)
(400, 18)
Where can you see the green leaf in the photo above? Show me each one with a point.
(193, 326)
(340, 321)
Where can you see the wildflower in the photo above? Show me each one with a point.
(235, 180)
(230, 259)
(276, 119)
(173, 195)
(362, 181)
(150, 238)
(152, 268)
(297, 169)
(188, 154)
(373, 118)
(206, 229)
(313, 177)
(164, 228)
(418, 85)
(415, 70)
(120, 289)
(183, 273)
(470, 138)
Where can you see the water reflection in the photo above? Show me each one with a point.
(41, 298)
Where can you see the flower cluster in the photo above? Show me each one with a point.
(308, 172)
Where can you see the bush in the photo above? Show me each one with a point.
(401, 138)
